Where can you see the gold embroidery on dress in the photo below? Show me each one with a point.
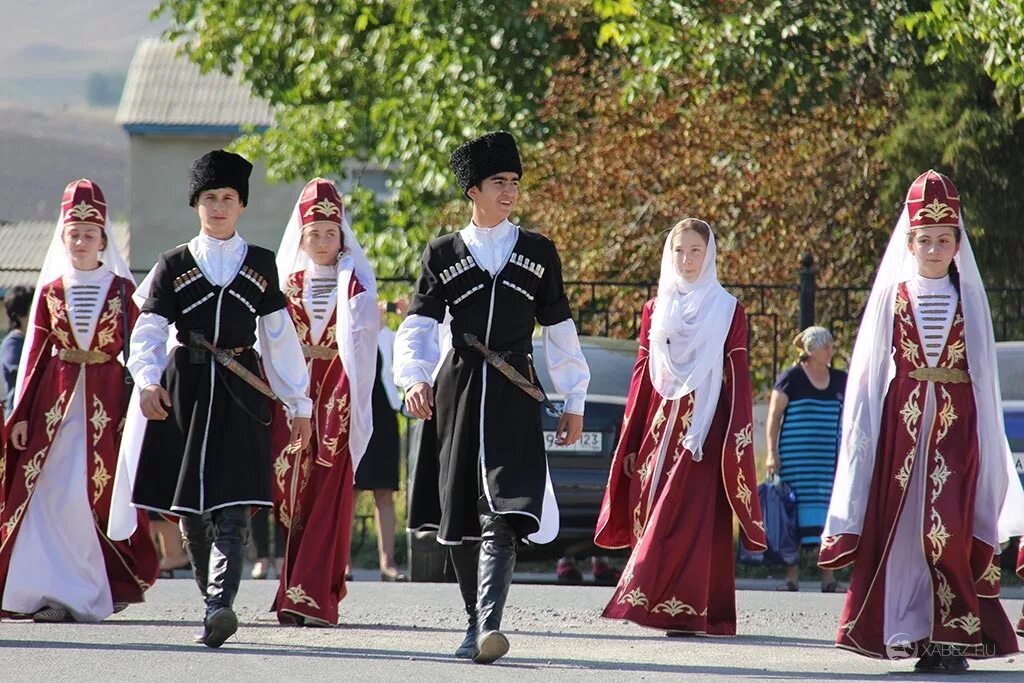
(644, 471)
(306, 468)
(992, 574)
(945, 595)
(33, 468)
(744, 438)
(903, 476)
(955, 353)
(634, 597)
(291, 289)
(299, 596)
(911, 412)
(55, 306)
(901, 304)
(674, 607)
(911, 351)
(638, 525)
(743, 492)
(281, 467)
(939, 475)
(99, 419)
(947, 416)
(938, 535)
(100, 478)
(657, 422)
(302, 329)
(284, 516)
(54, 415)
(969, 623)
(8, 527)
(107, 325)
(828, 541)
(935, 211)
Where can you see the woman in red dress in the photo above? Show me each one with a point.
(923, 494)
(684, 465)
(56, 561)
(332, 299)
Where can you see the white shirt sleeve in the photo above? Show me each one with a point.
(147, 351)
(568, 368)
(284, 363)
(417, 351)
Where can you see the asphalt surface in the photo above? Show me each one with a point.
(398, 632)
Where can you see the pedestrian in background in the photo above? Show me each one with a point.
(379, 469)
(17, 302)
(803, 439)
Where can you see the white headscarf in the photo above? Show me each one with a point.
(356, 323)
(999, 501)
(689, 326)
(56, 264)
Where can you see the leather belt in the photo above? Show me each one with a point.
(319, 352)
(942, 375)
(84, 357)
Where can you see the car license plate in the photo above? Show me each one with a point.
(590, 442)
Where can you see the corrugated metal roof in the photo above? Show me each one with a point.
(23, 247)
(165, 88)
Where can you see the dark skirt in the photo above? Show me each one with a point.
(188, 466)
(380, 464)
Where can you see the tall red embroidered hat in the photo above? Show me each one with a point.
(83, 203)
(933, 202)
(320, 202)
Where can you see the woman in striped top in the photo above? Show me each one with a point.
(806, 403)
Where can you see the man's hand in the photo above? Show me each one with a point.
(19, 435)
(628, 464)
(771, 464)
(302, 432)
(569, 430)
(154, 401)
(419, 401)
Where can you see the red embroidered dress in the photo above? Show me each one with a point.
(928, 457)
(80, 390)
(313, 490)
(677, 514)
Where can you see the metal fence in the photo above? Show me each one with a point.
(775, 313)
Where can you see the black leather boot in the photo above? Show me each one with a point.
(497, 561)
(226, 558)
(197, 534)
(466, 559)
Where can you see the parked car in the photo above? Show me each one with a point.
(1010, 357)
(579, 473)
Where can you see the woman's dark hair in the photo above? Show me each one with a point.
(17, 301)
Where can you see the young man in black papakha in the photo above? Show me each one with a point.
(482, 479)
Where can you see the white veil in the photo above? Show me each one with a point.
(689, 326)
(872, 369)
(55, 265)
(356, 323)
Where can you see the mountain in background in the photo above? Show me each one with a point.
(57, 60)
(50, 48)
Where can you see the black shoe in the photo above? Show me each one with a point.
(953, 664)
(220, 626)
(929, 663)
(468, 648)
(490, 647)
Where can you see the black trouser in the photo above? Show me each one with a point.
(215, 543)
(263, 528)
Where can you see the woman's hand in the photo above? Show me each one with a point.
(628, 463)
(19, 435)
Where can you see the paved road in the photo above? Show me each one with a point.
(396, 632)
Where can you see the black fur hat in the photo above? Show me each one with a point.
(481, 158)
(219, 169)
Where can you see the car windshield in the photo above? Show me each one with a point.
(1010, 358)
(611, 365)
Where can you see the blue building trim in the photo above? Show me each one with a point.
(189, 129)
